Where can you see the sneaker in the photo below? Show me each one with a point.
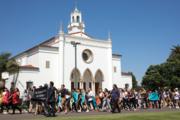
(25, 111)
(5, 113)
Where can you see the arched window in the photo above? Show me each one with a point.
(73, 19)
(78, 19)
(99, 77)
(87, 78)
(75, 79)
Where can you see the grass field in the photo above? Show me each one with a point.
(123, 116)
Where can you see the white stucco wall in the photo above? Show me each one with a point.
(38, 59)
(116, 62)
(125, 80)
(48, 74)
(23, 77)
(119, 79)
(33, 59)
(101, 60)
(22, 60)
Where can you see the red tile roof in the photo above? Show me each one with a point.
(29, 67)
(126, 73)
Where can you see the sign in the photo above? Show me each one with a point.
(5, 75)
(40, 94)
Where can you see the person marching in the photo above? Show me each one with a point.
(51, 99)
(16, 101)
(5, 101)
(115, 99)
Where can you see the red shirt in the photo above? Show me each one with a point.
(6, 98)
(15, 97)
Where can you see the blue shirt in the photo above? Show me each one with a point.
(153, 96)
(75, 96)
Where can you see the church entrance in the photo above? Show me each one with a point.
(98, 80)
(87, 80)
(97, 87)
(75, 79)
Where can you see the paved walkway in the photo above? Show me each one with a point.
(27, 116)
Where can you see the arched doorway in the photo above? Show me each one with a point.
(98, 80)
(75, 79)
(87, 79)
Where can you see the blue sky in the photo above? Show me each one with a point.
(143, 31)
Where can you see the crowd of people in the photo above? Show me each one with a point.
(79, 100)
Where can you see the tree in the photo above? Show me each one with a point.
(134, 81)
(166, 74)
(7, 64)
(3, 60)
(175, 54)
(173, 62)
(153, 79)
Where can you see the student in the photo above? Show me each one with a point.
(132, 100)
(106, 101)
(75, 100)
(91, 100)
(16, 101)
(115, 99)
(51, 98)
(25, 100)
(63, 92)
(59, 102)
(176, 98)
(154, 97)
(101, 97)
(5, 100)
(82, 101)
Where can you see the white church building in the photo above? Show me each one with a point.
(73, 59)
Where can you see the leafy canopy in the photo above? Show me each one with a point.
(166, 74)
(7, 64)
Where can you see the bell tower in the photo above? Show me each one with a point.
(76, 24)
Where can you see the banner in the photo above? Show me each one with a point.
(40, 94)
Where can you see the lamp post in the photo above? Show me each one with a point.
(75, 62)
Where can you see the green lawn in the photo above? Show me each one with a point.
(124, 116)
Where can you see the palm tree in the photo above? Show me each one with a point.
(8, 64)
(4, 57)
(175, 53)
